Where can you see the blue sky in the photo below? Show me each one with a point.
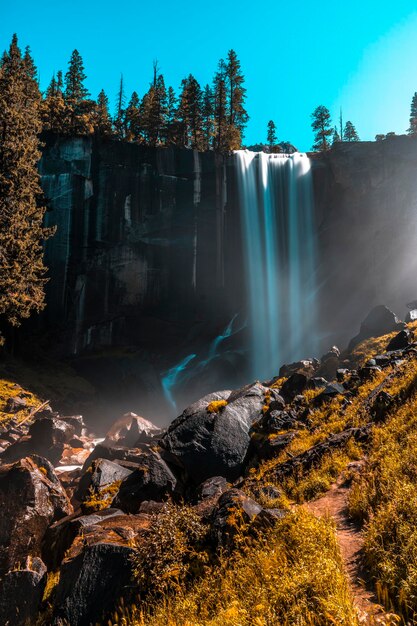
(361, 55)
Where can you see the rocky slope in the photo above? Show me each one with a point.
(86, 524)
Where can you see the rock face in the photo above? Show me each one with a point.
(21, 593)
(24, 519)
(215, 443)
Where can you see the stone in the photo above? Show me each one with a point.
(234, 509)
(60, 535)
(151, 480)
(269, 447)
(206, 444)
(293, 386)
(317, 382)
(99, 475)
(275, 421)
(13, 405)
(306, 367)
(329, 392)
(21, 592)
(211, 487)
(402, 340)
(131, 428)
(24, 519)
(380, 321)
(114, 453)
(77, 423)
(91, 583)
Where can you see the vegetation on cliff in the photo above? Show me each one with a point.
(22, 271)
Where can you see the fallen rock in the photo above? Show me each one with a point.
(21, 592)
(99, 475)
(380, 321)
(114, 453)
(233, 511)
(269, 447)
(211, 437)
(91, 584)
(13, 405)
(151, 480)
(329, 392)
(31, 498)
(130, 429)
(400, 341)
(306, 367)
(211, 487)
(293, 386)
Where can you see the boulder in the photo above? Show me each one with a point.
(329, 392)
(211, 437)
(21, 592)
(380, 321)
(131, 429)
(13, 405)
(400, 341)
(91, 584)
(99, 475)
(60, 536)
(211, 488)
(31, 498)
(293, 386)
(276, 421)
(269, 447)
(151, 480)
(234, 510)
(306, 366)
(114, 453)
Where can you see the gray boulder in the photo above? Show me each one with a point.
(211, 441)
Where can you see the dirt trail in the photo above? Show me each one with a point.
(334, 504)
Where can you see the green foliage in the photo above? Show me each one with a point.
(22, 272)
(271, 135)
(349, 133)
(321, 125)
(413, 116)
(171, 551)
(292, 575)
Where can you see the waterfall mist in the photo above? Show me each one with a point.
(277, 214)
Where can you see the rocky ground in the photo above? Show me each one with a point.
(75, 510)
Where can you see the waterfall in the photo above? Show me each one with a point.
(277, 215)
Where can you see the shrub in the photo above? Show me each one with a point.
(216, 406)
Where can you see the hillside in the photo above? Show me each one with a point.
(207, 523)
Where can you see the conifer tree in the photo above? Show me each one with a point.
(336, 136)
(53, 108)
(237, 114)
(133, 118)
(80, 110)
(190, 113)
(119, 121)
(102, 120)
(321, 125)
(413, 116)
(349, 133)
(154, 110)
(207, 112)
(271, 135)
(220, 109)
(22, 272)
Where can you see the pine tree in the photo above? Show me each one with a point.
(22, 272)
(321, 126)
(119, 121)
(102, 120)
(271, 135)
(237, 114)
(79, 108)
(190, 113)
(336, 136)
(53, 108)
(413, 116)
(154, 110)
(349, 133)
(220, 109)
(133, 119)
(207, 112)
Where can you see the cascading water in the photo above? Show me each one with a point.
(277, 214)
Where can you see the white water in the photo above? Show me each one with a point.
(277, 214)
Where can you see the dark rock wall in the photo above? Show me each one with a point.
(140, 241)
(147, 255)
(366, 208)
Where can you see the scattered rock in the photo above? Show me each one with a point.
(379, 321)
(207, 444)
(152, 480)
(130, 429)
(293, 386)
(13, 405)
(31, 498)
(234, 510)
(329, 392)
(211, 487)
(99, 475)
(400, 341)
(21, 592)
